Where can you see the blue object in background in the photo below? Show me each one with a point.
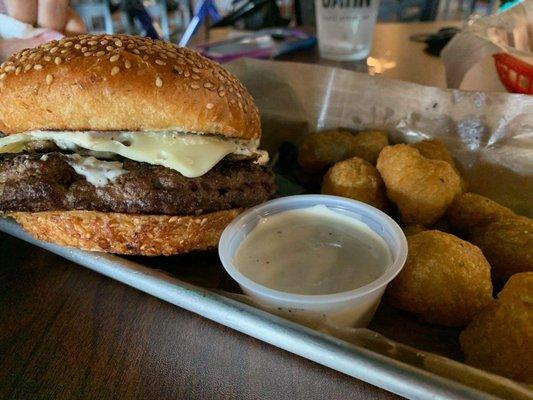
(204, 8)
(508, 4)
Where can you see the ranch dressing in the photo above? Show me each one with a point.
(312, 251)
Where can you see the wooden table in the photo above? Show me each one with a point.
(69, 333)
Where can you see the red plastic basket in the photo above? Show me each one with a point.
(515, 74)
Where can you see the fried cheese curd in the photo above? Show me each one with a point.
(356, 179)
(321, 150)
(507, 244)
(436, 150)
(445, 280)
(470, 210)
(500, 338)
(421, 188)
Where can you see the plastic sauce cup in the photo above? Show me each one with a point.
(352, 308)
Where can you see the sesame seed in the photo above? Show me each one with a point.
(143, 47)
(127, 64)
(209, 106)
(92, 42)
(178, 69)
(221, 93)
(2, 75)
(49, 79)
(130, 46)
(47, 58)
(83, 49)
(77, 46)
(158, 82)
(32, 56)
(37, 67)
(100, 53)
(118, 43)
(110, 48)
(83, 41)
(208, 85)
(181, 61)
(171, 55)
(136, 51)
(195, 86)
(195, 77)
(17, 71)
(145, 57)
(63, 51)
(68, 44)
(195, 70)
(9, 68)
(27, 67)
(115, 70)
(160, 62)
(104, 42)
(53, 50)
(114, 58)
(57, 60)
(163, 56)
(87, 54)
(187, 74)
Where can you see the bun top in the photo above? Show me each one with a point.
(119, 82)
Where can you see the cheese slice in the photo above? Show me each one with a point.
(189, 154)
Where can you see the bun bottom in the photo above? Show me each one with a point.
(132, 234)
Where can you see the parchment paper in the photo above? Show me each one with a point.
(490, 135)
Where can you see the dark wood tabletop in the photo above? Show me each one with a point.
(69, 333)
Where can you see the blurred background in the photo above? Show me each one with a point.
(171, 17)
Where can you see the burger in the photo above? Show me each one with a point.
(126, 145)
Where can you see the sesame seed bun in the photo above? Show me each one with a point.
(107, 82)
(148, 235)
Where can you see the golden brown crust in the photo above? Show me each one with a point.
(106, 82)
(148, 235)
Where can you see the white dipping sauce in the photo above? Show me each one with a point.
(312, 251)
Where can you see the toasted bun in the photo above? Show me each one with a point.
(106, 82)
(148, 235)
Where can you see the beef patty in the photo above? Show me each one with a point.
(31, 182)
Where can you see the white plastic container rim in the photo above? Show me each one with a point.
(238, 229)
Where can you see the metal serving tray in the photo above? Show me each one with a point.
(359, 361)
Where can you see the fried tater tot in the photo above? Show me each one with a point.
(470, 210)
(507, 244)
(356, 179)
(413, 229)
(500, 338)
(368, 145)
(421, 188)
(436, 150)
(323, 149)
(445, 280)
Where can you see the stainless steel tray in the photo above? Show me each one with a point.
(373, 359)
